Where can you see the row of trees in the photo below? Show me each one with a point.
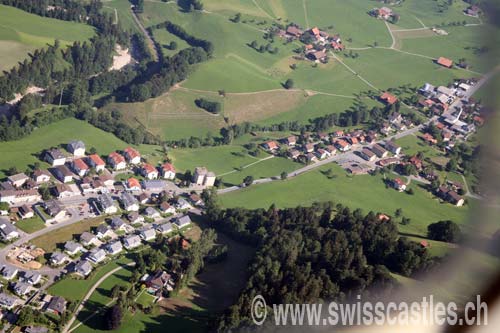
(210, 106)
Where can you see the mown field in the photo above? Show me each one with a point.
(22, 32)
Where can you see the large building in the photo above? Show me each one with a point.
(203, 177)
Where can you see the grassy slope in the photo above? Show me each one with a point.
(21, 32)
(124, 13)
(22, 153)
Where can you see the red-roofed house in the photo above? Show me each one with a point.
(399, 185)
(168, 171)
(342, 145)
(80, 167)
(388, 98)
(315, 32)
(429, 138)
(133, 184)
(96, 162)
(445, 62)
(132, 155)
(117, 161)
(417, 162)
(149, 171)
(337, 46)
(270, 145)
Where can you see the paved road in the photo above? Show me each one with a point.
(90, 292)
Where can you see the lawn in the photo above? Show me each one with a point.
(23, 153)
(52, 240)
(124, 13)
(365, 191)
(22, 32)
(31, 225)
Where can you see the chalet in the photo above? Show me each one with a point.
(182, 221)
(151, 213)
(270, 145)
(40, 176)
(54, 157)
(379, 151)
(82, 268)
(58, 258)
(392, 147)
(57, 305)
(317, 55)
(80, 167)
(311, 157)
(204, 177)
(331, 149)
(147, 233)
(117, 224)
(454, 198)
(352, 140)
(445, 62)
(25, 212)
(168, 171)
(97, 255)
(117, 161)
(76, 147)
(398, 184)
(149, 171)
(132, 155)
(395, 117)
(388, 98)
(88, 239)
(96, 162)
(337, 46)
(417, 162)
(291, 141)
(18, 179)
(114, 247)
(9, 273)
(107, 204)
(383, 13)
(367, 154)
(131, 242)
(72, 248)
(322, 154)
(7, 231)
(164, 228)
(166, 208)
(342, 145)
(62, 173)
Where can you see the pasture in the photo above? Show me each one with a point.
(22, 32)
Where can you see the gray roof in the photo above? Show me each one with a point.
(106, 200)
(183, 220)
(18, 176)
(8, 300)
(165, 227)
(36, 329)
(154, 184)
(128, 199)
(58, 257)
(134, 216)
(83, 267)
(132, 240)
(55, 154)
(148, 232)
(114, 247)
(102, 228)
(53, 207)
(21, 288)
(150, 211)
(97, 253)
(87, 237)
(72, 246)
(9, 271)
(32, 276)
(75, 144)
(57, 304)
(116, 222)
(6, 228)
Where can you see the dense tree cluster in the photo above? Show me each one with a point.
(445, 231)
(188, 38)
(210, 106)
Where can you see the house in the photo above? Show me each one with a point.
(383, 13)
(322, 154)
(55, 210)
(395, 117)
(117, 224)
(331, 149)
(97, 255)
(388, 98)
(445, 62)
(149, 171)
(132, 155)
(336, 46)
(392, 147)
(158, 281)
(166, 208)
(8, 302)
(291, 141)
(143, 198)
(134, 217)
(338, 134)
(21, 288)
(116, 161)
(40, 176)
(72, 248)
(352, 140)
(164, 228)
(342, 145)
(36, 329)
(19, 196)
(293, 153)
(429, 139)
(82, 268)
(367, 154)
(80, 167)
(18, 179)
(54, 157)
(114, 248)
(131, 242)
(168, 171)
(308, 148)
(63, 191)
(103, 231)
(76, 147)
(58, 258)
(57, 305)
(195, 199)
(379, 151)
(96, 162)
(455, 199)
(129, 202)
(270, 145)
(183, 204)
(133, 185)
(152, 213)
(473, 11)
(147, 233)
(417, 162)
(26, 212)
(310, 157)
(183, 221)
(7, 231)
(155, 185)
(317, 55)
(88, 239)
(107, 204)
(62, 173)
(203, 177)
(398, 184)
(294, 31)
(8, 273)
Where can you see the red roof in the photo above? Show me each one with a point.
(168, 167)
(399, 182)
(445, 62)
(309, 46)
(132, 182)
(117, 158)
(272, 145)
(131, 152)
(424, 243)
(315, 31)
(389, 98)
(96, 159)
(343, 143)
(80, 164)
(149, 168)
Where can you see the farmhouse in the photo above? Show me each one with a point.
(270, 145)
(168, 171)
(116, 161)
(445, 62)
(54, 157)
(149, 171)
(18, 180)
(317, 55)
(388, 98)
(96, 162)
(294, 31)
(76, 147)
(132, 155)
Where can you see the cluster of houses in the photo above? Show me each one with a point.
(318, 41)
(448, 193)
(383, 13)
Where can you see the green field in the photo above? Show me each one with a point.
(124, 13)
(366, 192)
(22, 32)
(23, 153)
(31, 225)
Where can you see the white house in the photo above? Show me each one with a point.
(54, 157)
(7, 231)
(131, 242)
(76, 147)
(132, 155)
(114, 247)
(168, 171)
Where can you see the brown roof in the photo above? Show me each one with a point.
(445, 62)
(389, 98)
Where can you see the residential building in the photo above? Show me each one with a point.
(116, 161)
(134, 217)
(151, 213)
(291, 141)
(58, 258)
(63, 174)
(21, 288)
(166, 208)
(129, 202)
(18, 179)
(147, 233)
(40, 176)
(342, 145)
(182, 204)
(55, 209)
(8, 302)
(54, 157)
(83, 268)
(97, 255)
(9, 273)
(7, 231)
(143, 198)
(117, 224)
(103, 231)
(96, 162)
(270, 145)
(114, 248)
(64, 191)
(72, 248)
(88, 239)
(168, 171)
(132, 155)
(388, 98)
(445, 62)
(398, 184)
(80, 167)
(76, 147)
(131, 242)
(26, 212)
(107, 204)
(203, 177)
(19, 196)
(158, 281)
(164, 228)
(149, 171)
(57, 305)
(32, 277)
(154, 186)
(133, 185)
(183, 221)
